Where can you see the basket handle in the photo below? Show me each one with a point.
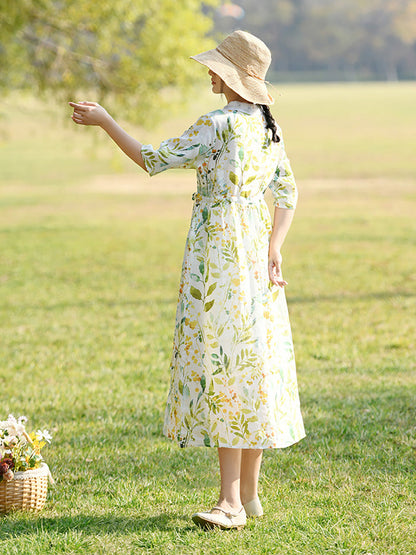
(51, 480)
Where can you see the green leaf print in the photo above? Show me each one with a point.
(211, 289)
(196, 293)
(207, 442)
(233, 178)
(195, 277)
(203, 382)
(208, 306)
(221, 329)
(226, 361)
(205, 214)
(241, 153)
(202, 267)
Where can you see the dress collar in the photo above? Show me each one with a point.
(245, 107)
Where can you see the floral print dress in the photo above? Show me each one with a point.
(233, 374)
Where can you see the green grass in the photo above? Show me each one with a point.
(88, 286)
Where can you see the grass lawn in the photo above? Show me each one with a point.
(90, 253)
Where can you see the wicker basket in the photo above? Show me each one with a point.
(26, 491)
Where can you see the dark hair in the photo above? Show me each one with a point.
(270, 122)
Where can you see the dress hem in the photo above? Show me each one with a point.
(202, 444)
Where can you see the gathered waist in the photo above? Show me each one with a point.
(217, 200)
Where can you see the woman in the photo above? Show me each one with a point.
(233, 377)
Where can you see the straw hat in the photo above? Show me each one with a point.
(242, 61)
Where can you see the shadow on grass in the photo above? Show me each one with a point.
(373, 429)
(88, 524)
(371, 426)
(349, 296)
(346, 296)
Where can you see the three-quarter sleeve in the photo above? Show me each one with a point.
(283, 184)
(186, 151)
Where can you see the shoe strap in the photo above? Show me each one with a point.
(228, 514)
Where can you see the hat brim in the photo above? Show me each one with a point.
(248, 87)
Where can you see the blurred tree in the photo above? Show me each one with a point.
(374, 37)
(390, 26)
(124, 52)
(350, 38)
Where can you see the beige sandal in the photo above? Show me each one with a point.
(253, 508)
(226, 521)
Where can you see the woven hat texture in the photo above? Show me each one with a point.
(242, 61)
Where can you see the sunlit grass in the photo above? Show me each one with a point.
(88, 286)
(340, 130)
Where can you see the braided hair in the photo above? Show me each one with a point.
(270, 122)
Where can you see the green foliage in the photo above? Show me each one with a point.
(127, 53)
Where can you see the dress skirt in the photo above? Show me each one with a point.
(233, 374)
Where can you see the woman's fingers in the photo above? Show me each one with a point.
(271, 271)
(87, 113)
(83, 105)
(78, 107)
(275, 273)
(77, 119)
(81, 110)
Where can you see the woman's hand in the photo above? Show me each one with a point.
(88, 113)
(91, 113)
(275, 268)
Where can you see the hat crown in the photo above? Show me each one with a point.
(241, 60)
(247, 52)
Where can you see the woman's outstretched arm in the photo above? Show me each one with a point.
(91, 113)
(282, 220)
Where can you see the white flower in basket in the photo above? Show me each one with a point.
(23, 474)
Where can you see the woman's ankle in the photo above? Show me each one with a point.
(248, 496)
(229, 504)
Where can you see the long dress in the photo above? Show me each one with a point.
(233, 374)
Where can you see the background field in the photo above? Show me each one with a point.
(90, 253)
